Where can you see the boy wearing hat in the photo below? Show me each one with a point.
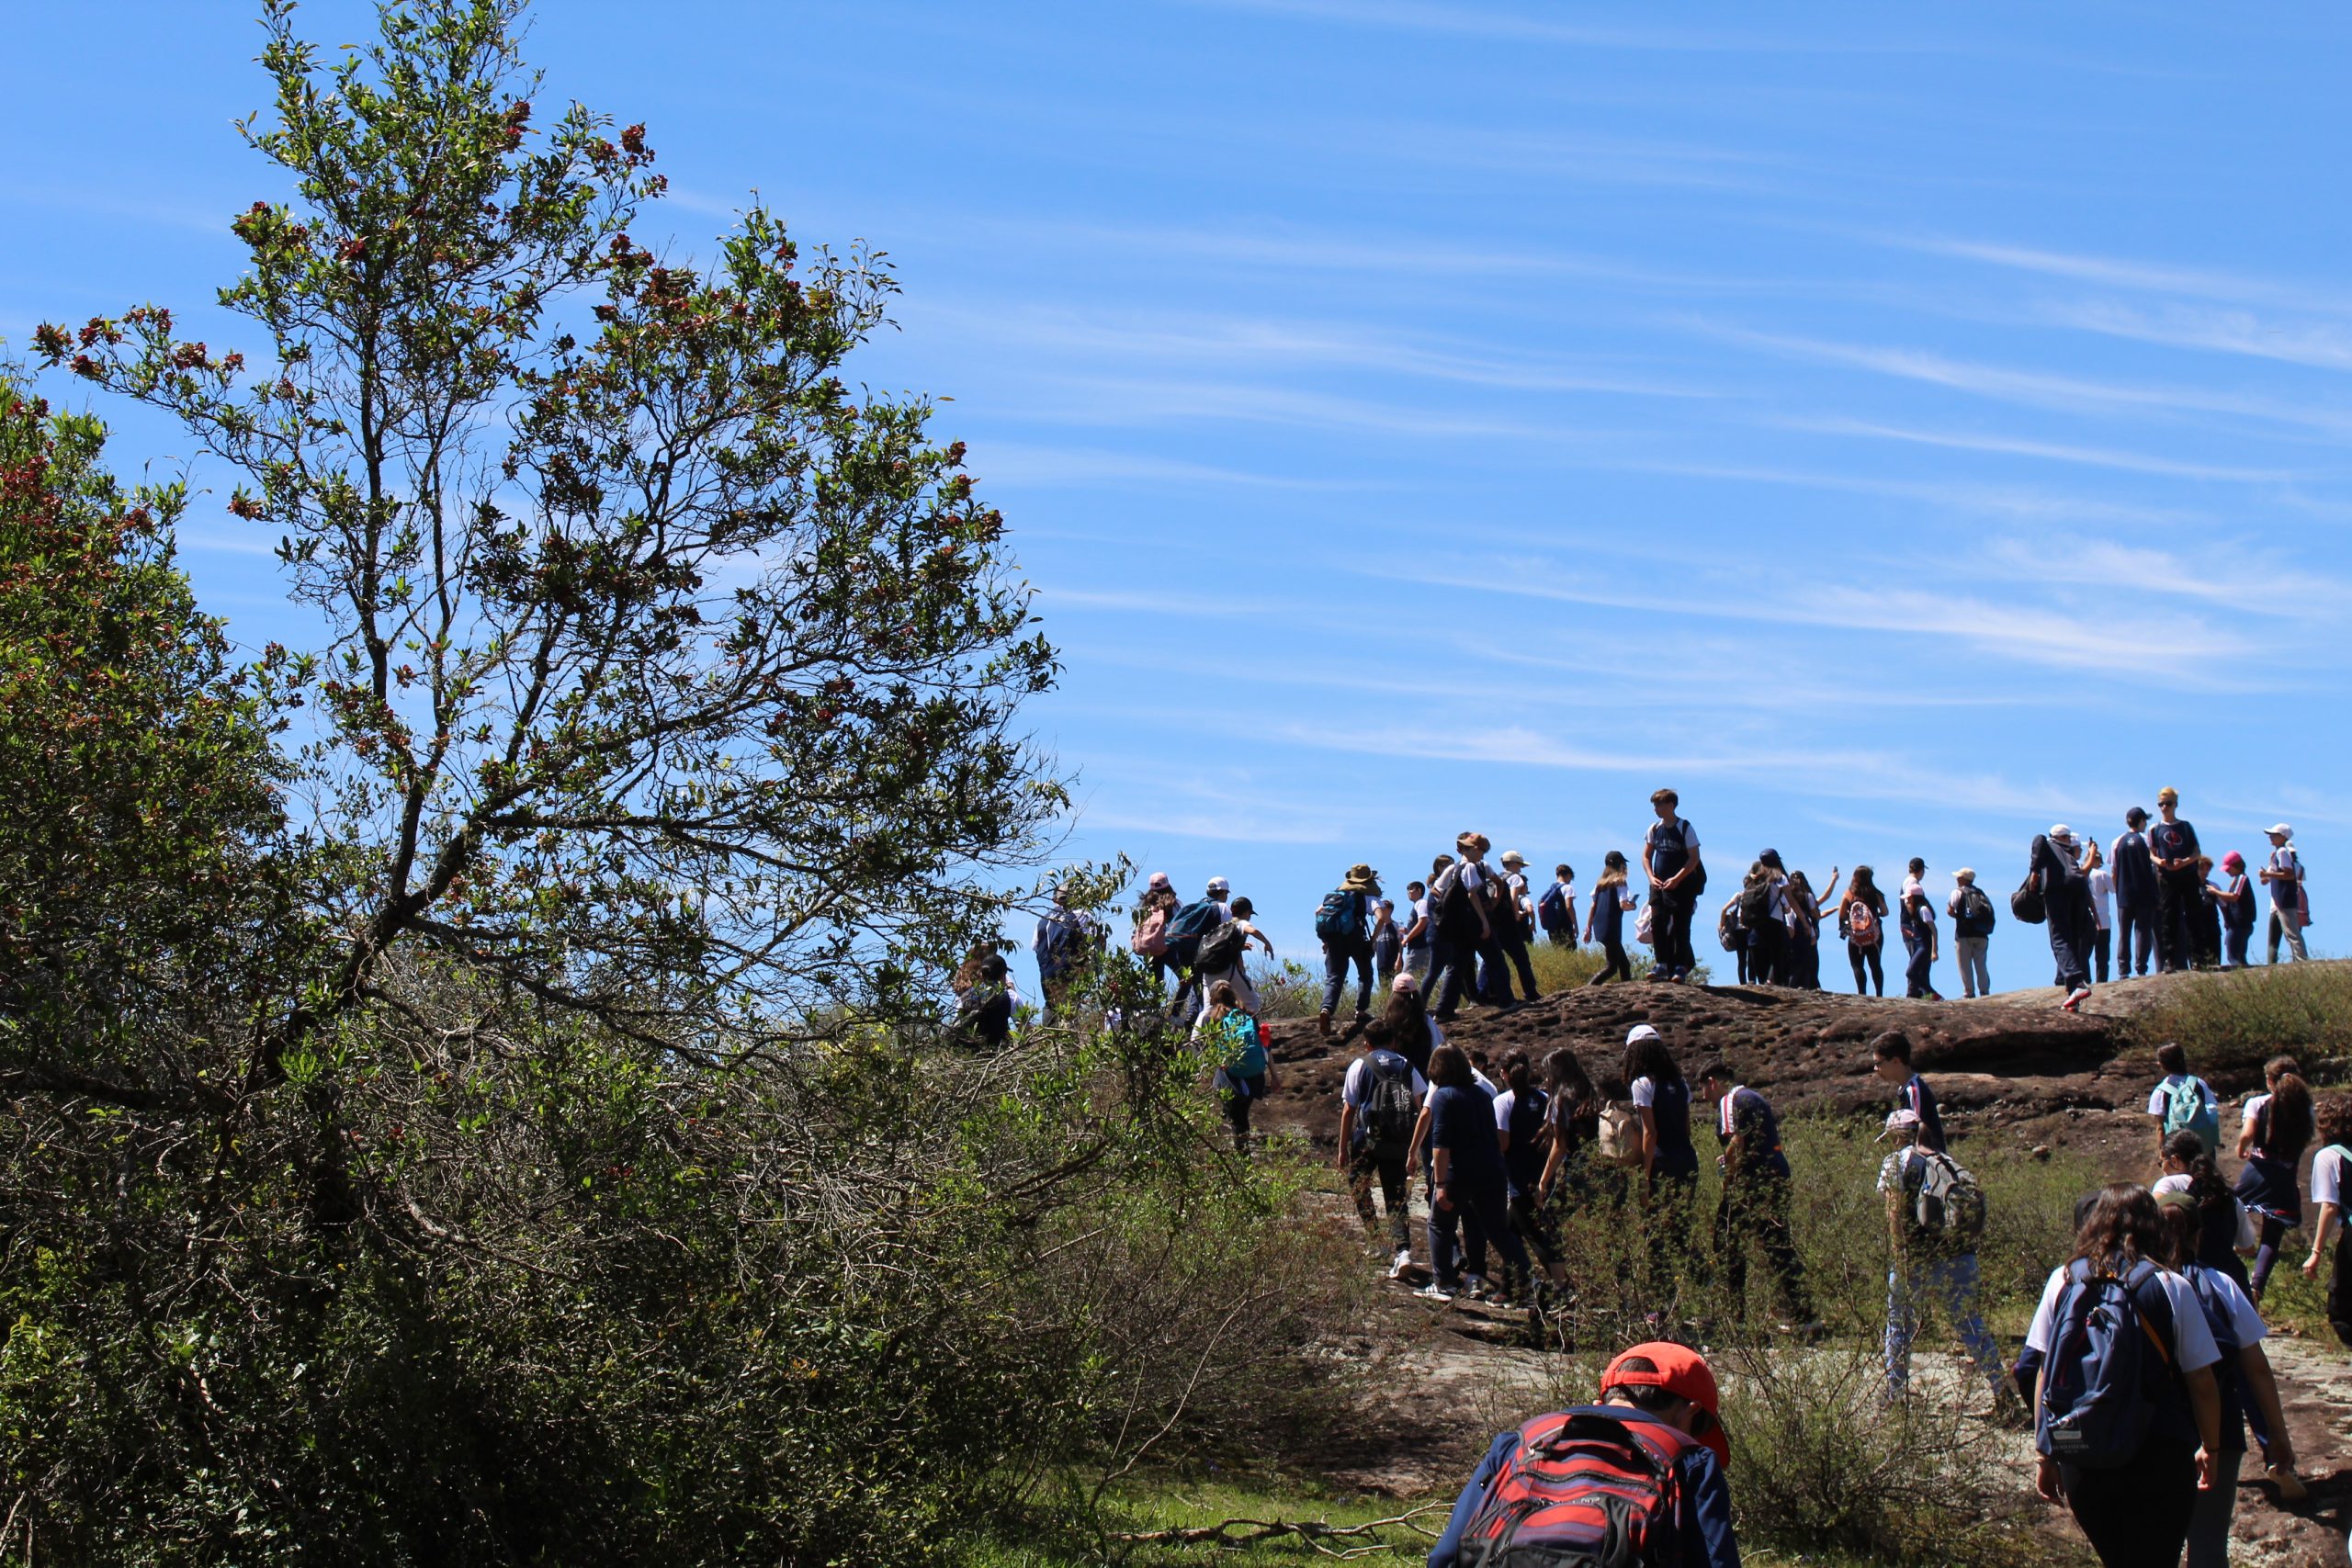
(1660, 1396)
(1344, 925)
(2283, 875)
(1517, 924)
(2135, 895)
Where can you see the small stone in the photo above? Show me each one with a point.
(2040, 1150)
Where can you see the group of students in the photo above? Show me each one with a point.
(2142, 1371)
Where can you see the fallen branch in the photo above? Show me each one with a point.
(1231, 1533)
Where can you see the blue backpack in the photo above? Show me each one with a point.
(2110, 1369)
(1552, 909)
(1187, 926)
(1340, 918)
(2188, 1109)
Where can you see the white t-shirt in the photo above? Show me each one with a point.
(2174, 1080)
(2247, 1235)
(1420, 912)
(1517, 886)
(2253, 1105)
(2102, 882)
(2327, 1179)
(2245, 1319)
(1913, 888)
(1486, 1085)
(1504, 1103)
(1645, 1092)
(2192, 1342)
(1356, 1088)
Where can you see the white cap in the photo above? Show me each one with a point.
(2282, 830)
(1901, 1121)
(1217, 884)
(1643, 1032)
(2059, 830)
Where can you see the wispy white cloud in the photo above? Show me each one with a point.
(2051, 451)
(2147, 277)
(1473, 22)
(1019, 464)
(2244, 577)
(2318, 344)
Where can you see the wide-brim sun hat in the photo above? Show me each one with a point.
(1512, 857)
(1362, 878)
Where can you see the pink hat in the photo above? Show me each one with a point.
(2233, 861)
(1405, 985)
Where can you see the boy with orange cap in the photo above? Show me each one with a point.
(1647, 1460)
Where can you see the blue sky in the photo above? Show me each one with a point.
(1897, 428)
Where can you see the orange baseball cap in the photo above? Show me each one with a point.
(1681, 1371)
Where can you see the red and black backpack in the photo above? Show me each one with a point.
(1583, 1490)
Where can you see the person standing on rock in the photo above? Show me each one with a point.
(2102, 885)
(1435, 977)
(1605, 923)
(1419, 934)
(2135, 895)
(1388, 946)
(1755, 1201)
(1677, 876)
(1972, 931)
(2056, 868)
(2283, 875)
(1343, 924)
(1934, 1217)
(2180, 888)
(1512, 932)
(1919, 924)
(1861, 920)
(1555, 911)
(2236, 903)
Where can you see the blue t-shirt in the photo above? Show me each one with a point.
(1462, 1122)
(1745, 1113)
(1916, 1097)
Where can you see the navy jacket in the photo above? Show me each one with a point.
(1706, 1496)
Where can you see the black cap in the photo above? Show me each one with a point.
(2134, 816)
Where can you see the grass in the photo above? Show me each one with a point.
(2241, 1018)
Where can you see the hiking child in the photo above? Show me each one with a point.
(1763, 913)
(1465, 928)
(2205, 919)
(2243, 1378)
(2183, 1101)
(1648, 1461)
(1410, 1033)
(1468, 1190)
(1517, 922)
(1573, 1117)
(984, 1003)
(1755, 1201)
(1555, 911)
(1972, 929)
(1891, 1060)
(2135, 895)
(1343, 924)
(1388, 946)
(1667, 1160)
(1229, 1033)
(1917, 918)
(1419, 932)
(1677, 876)
(1380, 1100)
(1731, 932)
(1521, 1114)
(2180, 890)
(1067, 944)
(2290, 911)
(2235, 902)
(2276, 1129)
(2056, 868)
(2101, 881)
(1222, 952)
(1804, 931)
(1605, 922)
(1187, 928)
(1934, 1214)
(2128, 1415)
(2328, 1172)
(1861, 920)
(2230, 1228)
(1435, 979)
(1149, 942)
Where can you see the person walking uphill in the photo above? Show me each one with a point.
(1462, 898)
(1665, 1156)
(1380, 1101)
(1344, 924)
(1468, 1187)
(1935, 1215)
(2180, 887)
(1678, 876)
(2283, 875)
(1755, 1201)
(1576, 1487)
(2135, 895)
(2056, 873)
(1514, 927)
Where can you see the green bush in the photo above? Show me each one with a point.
(2241, 1018)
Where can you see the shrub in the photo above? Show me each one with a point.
(2241, 1018)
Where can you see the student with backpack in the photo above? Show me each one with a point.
(1468, 1192)
(2135, 895)
(1638, 1477)
(2230, 1228)
(1861, 920)
(2289, 910)
(1149, 942)
(1066, 944)
(1222, 953)
(2101, 881)
(1935, 1217)
(1380, 1100)
(2243, 1378)
(1410, 1033)
(1572, 1117)
(1514, 925)
(2328, 1170)
(1417, 935)
(2234, 903)
(1732, 935)
(2128, 1415)
(1891, 1060)
(1755, 1201)
(1917, 918)
(2276, 1129)
(2181, 1102)
(1973, 920)
(1762, 911)
(2055, 873)
(1667, 1160)
(1229, 1033)
(1343, 924)
(1388, 946)
(1555, 911)
(1187, 926)
(1677, 876)
(1522, 1113)
(1465, 926)
(1605, 922)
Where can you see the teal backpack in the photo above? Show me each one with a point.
(2186, 1105)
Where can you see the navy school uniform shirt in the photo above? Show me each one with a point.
(1706, 1498)
(1669, 1105)
(1916, 1097)
(1522, 1116)
(1462, 1122)
(1744, 1112)
(1608, 915)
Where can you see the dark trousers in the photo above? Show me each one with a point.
(1533, 1227)
(2177, 894)
(2136, 938)
(2137, 1514)
(1740, 950)
(1670, 937)
(1337, 956)
(2234, 940)
(1768, 955)
(1873, 956)
(2101, 940)
(1757, 1206)
(1482, 1210)
(1461, 959)
(1617, 965)
(1921, 945)
(1805, 963)
(1367, 1165)
(1237, 1101)
(1512, 940)
(2071, 924)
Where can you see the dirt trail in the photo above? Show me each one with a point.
(2014, 1066)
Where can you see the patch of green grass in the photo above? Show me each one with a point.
(2241, 1019)
(1172, 1503)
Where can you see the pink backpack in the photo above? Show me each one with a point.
(1151, 936)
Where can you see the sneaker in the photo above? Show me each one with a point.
(2291, 1485)
(1404, 1261)
(1323, 1024)
(1434, 1292)
(1474, 1286)
(2075, 1001)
